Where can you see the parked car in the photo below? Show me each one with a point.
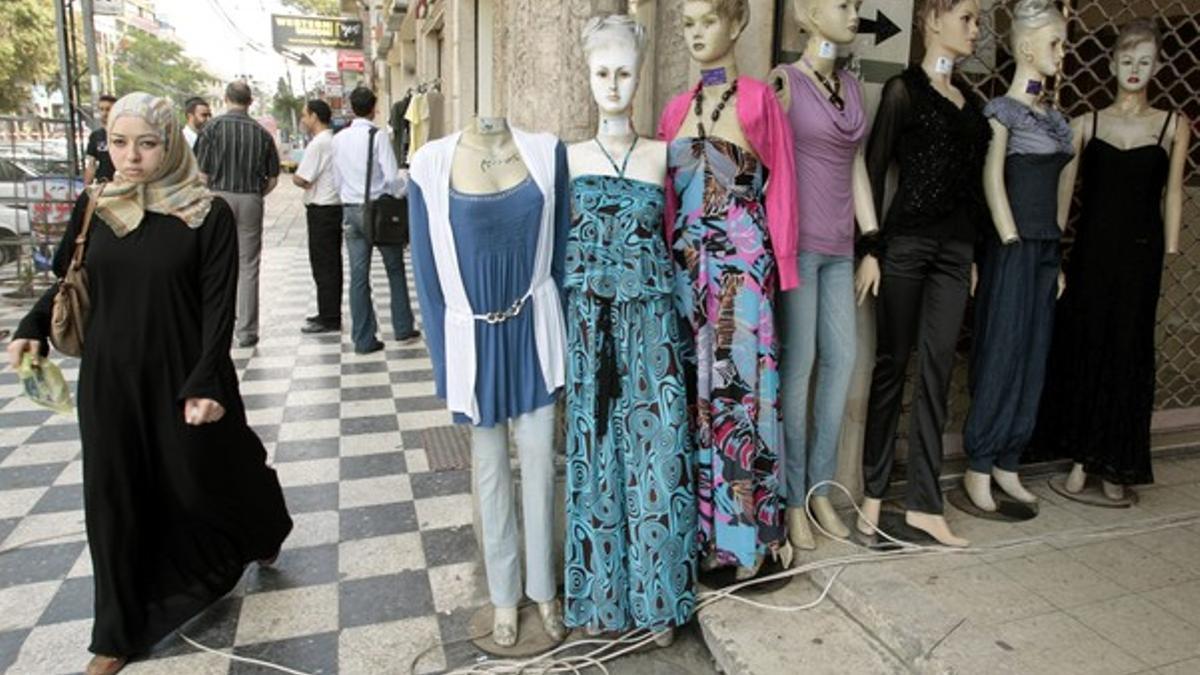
(46, 184)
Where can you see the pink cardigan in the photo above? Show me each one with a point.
(770, 135)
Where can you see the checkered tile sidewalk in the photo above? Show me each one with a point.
(382, 563)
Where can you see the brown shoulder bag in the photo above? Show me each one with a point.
(71, 303)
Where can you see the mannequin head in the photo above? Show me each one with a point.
(1039, 36)
(613, 46)
(1135, 56)
(951, 26)
(834, 20)
(712, 27)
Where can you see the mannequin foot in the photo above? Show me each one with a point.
(665, 638)
(1076, 479)
(105, 665)
(744, 573)
(828, 518)
(1010, 482)
(935, 526)
(868, 520)
(786, 554)
(799, 533)
(504, 626)
(979, 489)
(709, 563)
(552, 621)
(1113, 491)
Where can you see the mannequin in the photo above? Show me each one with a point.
(631, 497)
(1133, 159)
(932, 127)
(489, 215)
(734, 244)
(825, 108)
(1014, 312)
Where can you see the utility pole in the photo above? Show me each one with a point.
(89, 39)
(64, 82)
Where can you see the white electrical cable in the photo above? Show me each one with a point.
(908, 550)
(242, 659)
(609, 650)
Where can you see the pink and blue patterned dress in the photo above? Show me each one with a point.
(631, 500)
(726, 282)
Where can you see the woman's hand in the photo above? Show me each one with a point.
(1062, 284)
(974, 278)
(19, 347)
(197, 411)
(866, 280)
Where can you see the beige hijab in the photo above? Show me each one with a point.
(174, 189)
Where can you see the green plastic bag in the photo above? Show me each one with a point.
(44, 383)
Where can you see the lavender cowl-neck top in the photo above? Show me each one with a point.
(827, 140)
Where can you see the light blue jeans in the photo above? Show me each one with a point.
(534, 435)
(817, 325)
(363, 325)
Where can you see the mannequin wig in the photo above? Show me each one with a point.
(1032, 15)
(1135, 33)
(801, 8)
(613, 29)
(736, 12)
(927, 10)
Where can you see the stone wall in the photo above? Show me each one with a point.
(540, 78)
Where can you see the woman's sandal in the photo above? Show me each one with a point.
(106, 665)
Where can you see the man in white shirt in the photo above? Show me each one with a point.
(350, 148)
(198, 112)
(323, 209)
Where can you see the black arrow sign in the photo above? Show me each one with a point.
(881, 27)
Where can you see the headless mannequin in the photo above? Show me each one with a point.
(945, 43)
(1131, 122)
(487, 161)
(711, 40)
(613, 75)
(828, 23)
(1039, 56)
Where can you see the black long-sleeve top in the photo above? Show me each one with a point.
(940, 151)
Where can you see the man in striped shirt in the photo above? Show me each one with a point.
(241, 162)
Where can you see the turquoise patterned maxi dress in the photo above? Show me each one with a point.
(726, 287)
(631, 504)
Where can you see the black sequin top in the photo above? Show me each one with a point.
(940, 151)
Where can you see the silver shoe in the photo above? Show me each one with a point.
(552, 621)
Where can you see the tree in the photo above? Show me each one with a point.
(147, 63)
(286, 106)
(315, 7)
(28, 50)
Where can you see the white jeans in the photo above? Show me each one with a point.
(534, 432)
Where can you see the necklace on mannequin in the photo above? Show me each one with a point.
(625, 163)
(833, 89)
(716, 113)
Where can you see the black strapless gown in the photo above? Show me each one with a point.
(1100, 389)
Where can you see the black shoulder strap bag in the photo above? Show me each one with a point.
(385, 220)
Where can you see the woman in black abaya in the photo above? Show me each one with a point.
(177, 494)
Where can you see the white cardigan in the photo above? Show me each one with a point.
(431, 171)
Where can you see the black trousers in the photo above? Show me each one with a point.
(325, 256)
(922, 296)
(1014, 324)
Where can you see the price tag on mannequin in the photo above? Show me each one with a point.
(491, 125)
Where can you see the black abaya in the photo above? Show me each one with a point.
(174, 512)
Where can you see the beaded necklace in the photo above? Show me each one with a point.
(716, 113)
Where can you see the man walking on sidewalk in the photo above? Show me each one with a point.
(350, 148)
(323, 208)
(198, 114)
(242, 165)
